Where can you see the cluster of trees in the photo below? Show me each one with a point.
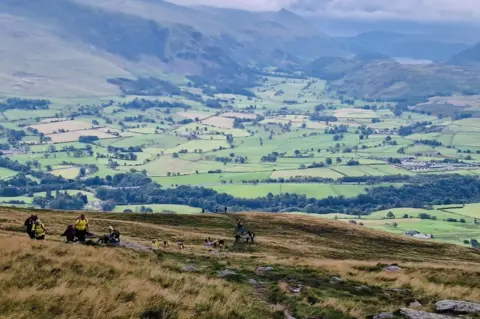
(88, 139)
(413, 128)
(271, 157)
(131, 149)
(144, 104)
(342, 128)
(62, 200)
(323, 118)
(433, 143)
(231, 159)
(444, 190)
(24, 104)
(138, 118)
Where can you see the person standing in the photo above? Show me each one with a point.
(81, 228)
(29, 225)
(39, 230)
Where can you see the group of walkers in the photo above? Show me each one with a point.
(77, 232)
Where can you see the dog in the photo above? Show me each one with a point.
(180, 244)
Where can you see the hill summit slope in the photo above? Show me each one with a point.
(319, 269)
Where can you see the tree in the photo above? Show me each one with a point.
(405, 216)
(390, 215)
(328, 161)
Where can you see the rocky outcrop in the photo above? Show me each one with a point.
(417, 314)
(457, 306)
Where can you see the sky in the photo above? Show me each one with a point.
(407, 10)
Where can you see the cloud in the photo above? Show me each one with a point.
(254, 5)
(416, 10)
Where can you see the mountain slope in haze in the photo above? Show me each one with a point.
(376, 78)
(469, 58)
(107, 39)
(415, 46)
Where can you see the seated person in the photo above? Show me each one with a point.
(70, 234)
(113, 236)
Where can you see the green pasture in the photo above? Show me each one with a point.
(6, 173)
(311, 190)
(160, 208)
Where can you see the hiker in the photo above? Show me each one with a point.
(239, 225)
(225, 209)
(113, 236)
(81, 228)
(38, 230)
(29, 224)
(70, 234)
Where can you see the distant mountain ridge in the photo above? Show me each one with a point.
(469, 58)
(377, 78)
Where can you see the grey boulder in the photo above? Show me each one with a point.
(417, 314)
(226, 273)
(457, 306)
(384, 315)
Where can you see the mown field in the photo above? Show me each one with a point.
(305, 254)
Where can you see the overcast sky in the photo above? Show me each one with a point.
(417, 10)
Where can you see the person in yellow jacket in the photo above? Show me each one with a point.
(81, 228)
(38, 229)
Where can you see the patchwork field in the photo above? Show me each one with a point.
(55, 127)
(219, 121)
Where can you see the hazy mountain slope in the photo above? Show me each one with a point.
(68, 41)
(469, 58)
(416, 46)
(386, 79)
(36, 62)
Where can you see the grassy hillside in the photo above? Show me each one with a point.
(305, 253)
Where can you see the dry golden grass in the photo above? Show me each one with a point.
(38, 278)
(219, 121)
(73, 125)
